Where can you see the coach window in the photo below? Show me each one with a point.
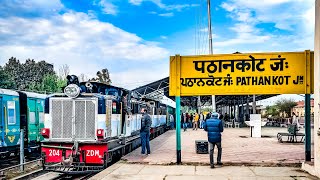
(41, 117)
(32, 116)
(11, 113)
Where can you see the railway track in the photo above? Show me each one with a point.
(14, 160)
(14, 171)
(33, 169)
(43, 175)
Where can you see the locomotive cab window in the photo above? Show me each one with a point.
(11, 113)
(112, 92)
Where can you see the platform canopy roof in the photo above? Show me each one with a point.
(156, 90)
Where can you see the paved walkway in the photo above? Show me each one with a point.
(125, 171)
(237, 149)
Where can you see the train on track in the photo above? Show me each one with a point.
(20, 110)
(92, 124)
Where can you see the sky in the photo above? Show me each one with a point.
(134, 38)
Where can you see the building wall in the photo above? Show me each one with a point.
(300, 111)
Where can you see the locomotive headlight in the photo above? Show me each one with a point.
(72, 90)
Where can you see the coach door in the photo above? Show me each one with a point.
(40, 117)
(33, 120)
(1, 123)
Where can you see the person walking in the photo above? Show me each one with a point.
(145, 131)
(214, 128)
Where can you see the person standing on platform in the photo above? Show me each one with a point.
(196, 120)
(185, 121)
(208, 116)
(171, 122)
(295, 121)
(201, 118)
(145, 131)
(214, 128)
(191, 120)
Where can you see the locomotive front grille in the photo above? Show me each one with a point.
(85, 119)
(73, 119)
(61, 119)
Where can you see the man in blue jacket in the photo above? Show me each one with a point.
(145, 131)
(214, 128)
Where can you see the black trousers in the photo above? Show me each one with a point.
(218, 144)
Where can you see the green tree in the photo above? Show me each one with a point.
(49, 84)
(27, 75)
(272, 110)
(285, 105)
(103, 76)
(6, 80)
(61, 83)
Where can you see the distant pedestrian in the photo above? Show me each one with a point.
(196, 120)
(295, 121)
(208, 116)
(191, 120)
(171, 121)
(145, 131)
(201, 119)
(214, 128)
(185, 121)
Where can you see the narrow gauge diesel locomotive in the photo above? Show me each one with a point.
(20, 110)
(91, 124)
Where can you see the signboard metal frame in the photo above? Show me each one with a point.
(176, 89)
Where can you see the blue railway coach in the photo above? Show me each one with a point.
(9, 122)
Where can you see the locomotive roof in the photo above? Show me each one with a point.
(95, 82)
(8, 92)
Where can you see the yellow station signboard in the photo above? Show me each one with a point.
(242, 74)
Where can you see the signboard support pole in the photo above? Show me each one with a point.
(254, 104)
(199, 104)
(178, 130)
(247, 108)
(307, 128)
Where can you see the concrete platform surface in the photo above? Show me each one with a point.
(238, 148)
(124, 171)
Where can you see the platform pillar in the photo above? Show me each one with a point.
(178, 130)
(307, 128)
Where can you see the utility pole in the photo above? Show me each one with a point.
(213, 97)
(317, 88)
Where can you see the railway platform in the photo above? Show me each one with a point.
(243, 158)
(238, 148)
(124, 171)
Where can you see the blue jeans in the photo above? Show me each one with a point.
(145, 138)
(185, 126)
(201, 124)
(172, 125)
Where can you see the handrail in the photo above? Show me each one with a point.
(58, 147)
